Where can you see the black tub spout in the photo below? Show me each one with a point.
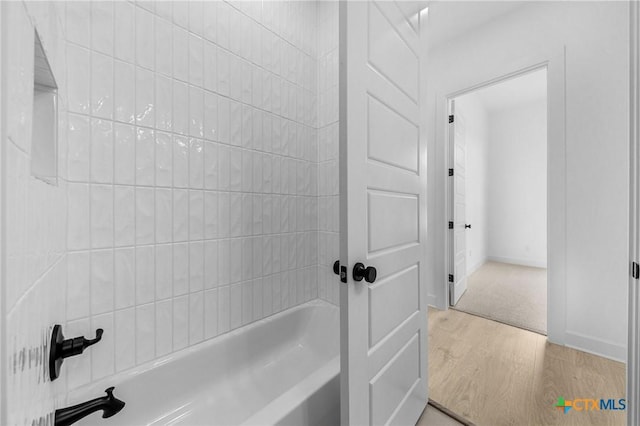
(110, 406)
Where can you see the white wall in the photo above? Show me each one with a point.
(517, 184)
(594, 39)
(187, 201)
(477, 185)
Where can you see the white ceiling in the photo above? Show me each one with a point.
(450, 19)
(516, 91)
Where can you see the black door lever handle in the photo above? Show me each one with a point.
(467, 226)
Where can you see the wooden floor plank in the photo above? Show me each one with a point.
(494, 374)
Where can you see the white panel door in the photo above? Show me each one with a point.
(459, 247)
(382, 214)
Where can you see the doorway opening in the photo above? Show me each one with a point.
(498, 201)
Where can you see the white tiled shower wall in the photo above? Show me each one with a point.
(197, 186)
(328, 189)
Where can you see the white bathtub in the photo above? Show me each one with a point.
(282, 370)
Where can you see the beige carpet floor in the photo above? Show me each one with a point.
(512, 294)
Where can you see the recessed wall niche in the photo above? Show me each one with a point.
(44, 135)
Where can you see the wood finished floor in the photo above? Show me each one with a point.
(494, 374)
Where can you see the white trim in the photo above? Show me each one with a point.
(536, 263)
(3, 143)
(633, 344)
(600, 347)
(555, 63)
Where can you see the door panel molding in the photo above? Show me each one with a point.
(382, 222)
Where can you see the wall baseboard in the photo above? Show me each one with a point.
(536, 263)
(595, 346)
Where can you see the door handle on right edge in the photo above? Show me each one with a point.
(369, 273)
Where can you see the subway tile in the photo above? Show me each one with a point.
(145, 102)
(180, 215)
(235, 123)
(224, 262)
(163, 45)
(124, 49)
(124, 92)
(78, 23)
(223, 24)
(164, 103)
(258, 304)
(124, 215)
(125, 339)
(164, 327)
(164, 159)
(145, 274)
(235, 306)
(124, 260)
(102, 85)
(78, 148)
(210, 264)
(180, 322)
(181, 14)
(247, 302)
(235, 214)
(196, 266)
(102, 216)
(224, 306)
(180, 162)
(145, 157)
(164, 271)
(196, 215)
(196, 17)
(235, 169)
(210, 123)
(210, 24)
(196, 163)
(210, 313)
(224, 73)
(247, 259)
(196, 65)
(196, 317)
(211, 165)
(210, 66)
(78, 221)
(102, 151)
(180, 112)
(101, 281)
(180, 269)
(145, 333)
(235, 260)
(246, 217)
(145, 50)
(78, 285)
(145, 215)
(78, 81)
(196, 112)
(163, 215)
(210, 215)
(180, 54)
